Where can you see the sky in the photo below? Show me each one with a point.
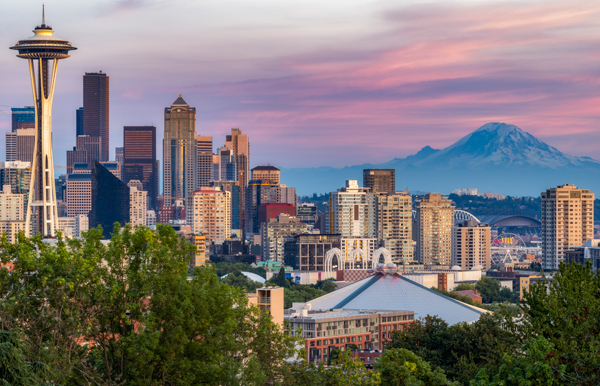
(323, 83)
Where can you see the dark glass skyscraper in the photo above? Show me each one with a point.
(23, 118)
(95, 109)
(79, 119)
(139, 159)
(380, 180)
(110, 200)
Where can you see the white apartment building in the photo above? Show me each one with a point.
(138, 204)
(12, 207)
(367, 245)
(394, 225)
(352, 212)
(151, 219)
(209, 213)
(567, 221)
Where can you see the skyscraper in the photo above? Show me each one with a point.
(353, 212)
(23, 118)
(204, 160)
(567, 221)
(379, 180)
(79, 121)
(179, 151)
(240, 145)
(432, 229)
(43, 48)
(208, 214)
(266, 173)
(110, 200)
(471, 245)
(139, 159)
(20, 145)
(233, 187)
(394, 225)
(95, 109)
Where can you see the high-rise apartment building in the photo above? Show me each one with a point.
(274, 232)
(179, 151)
(23, 118)
(394, 225)
(20, 145)
(307, 213)
(137, 205)
(12, 207)
(471, 245)
(208, 213)
(110, 200)
(379, 180)
(267, 173)
(432, 229)
(287, 194)
(79, 194)
(233, 187)
(114, 167)
(204, 160)
(139, 159)
(567, 221)
(96, 110)
(199, 257)
(352, 212)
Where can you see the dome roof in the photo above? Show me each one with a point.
(456, 268)
(251, 276)
(477, 268)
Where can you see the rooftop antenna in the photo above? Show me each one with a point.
(43, 15)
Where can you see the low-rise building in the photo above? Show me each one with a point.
(269, 299)
(72, 227)
(138, 204)
(343, 329)
(310, 250)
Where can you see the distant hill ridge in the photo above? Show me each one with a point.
(498, 157)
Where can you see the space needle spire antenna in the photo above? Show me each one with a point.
(42, 50)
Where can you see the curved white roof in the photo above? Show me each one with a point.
(397, 293)
(251, 276)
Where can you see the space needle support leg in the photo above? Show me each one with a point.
(35, 149)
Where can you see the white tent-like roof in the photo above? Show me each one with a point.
(251, 276)
(396, 293)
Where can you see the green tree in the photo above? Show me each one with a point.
(464, 287)
(565, 310)
(239, 280)
(281, 278)
(537, 366)
(401, 367)
(492, 291)
(15, 370)
(130, 298)
(328, 286)
(461, 349)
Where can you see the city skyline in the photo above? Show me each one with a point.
(414, 75)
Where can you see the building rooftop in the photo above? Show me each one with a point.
(179, 102)
(267, 167)
(341, 313)
(386, 291)
(79, 177)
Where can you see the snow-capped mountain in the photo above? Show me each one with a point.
(499, 157)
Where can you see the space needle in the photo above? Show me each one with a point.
(39, 50)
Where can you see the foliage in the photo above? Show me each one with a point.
(327, 286)
(145, 323)
(478, 204)
(15, 370)
(296, 293)
(223, 268)
(566, 312)
(401, 367)
(238, 280)
(492, 291)
(345, 370)
(281, 277)
(462, 349)
(537, 366)
(464, 287)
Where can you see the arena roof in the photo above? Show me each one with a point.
(397, 293)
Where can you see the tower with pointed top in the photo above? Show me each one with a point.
(179, 151)
(43, 51)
